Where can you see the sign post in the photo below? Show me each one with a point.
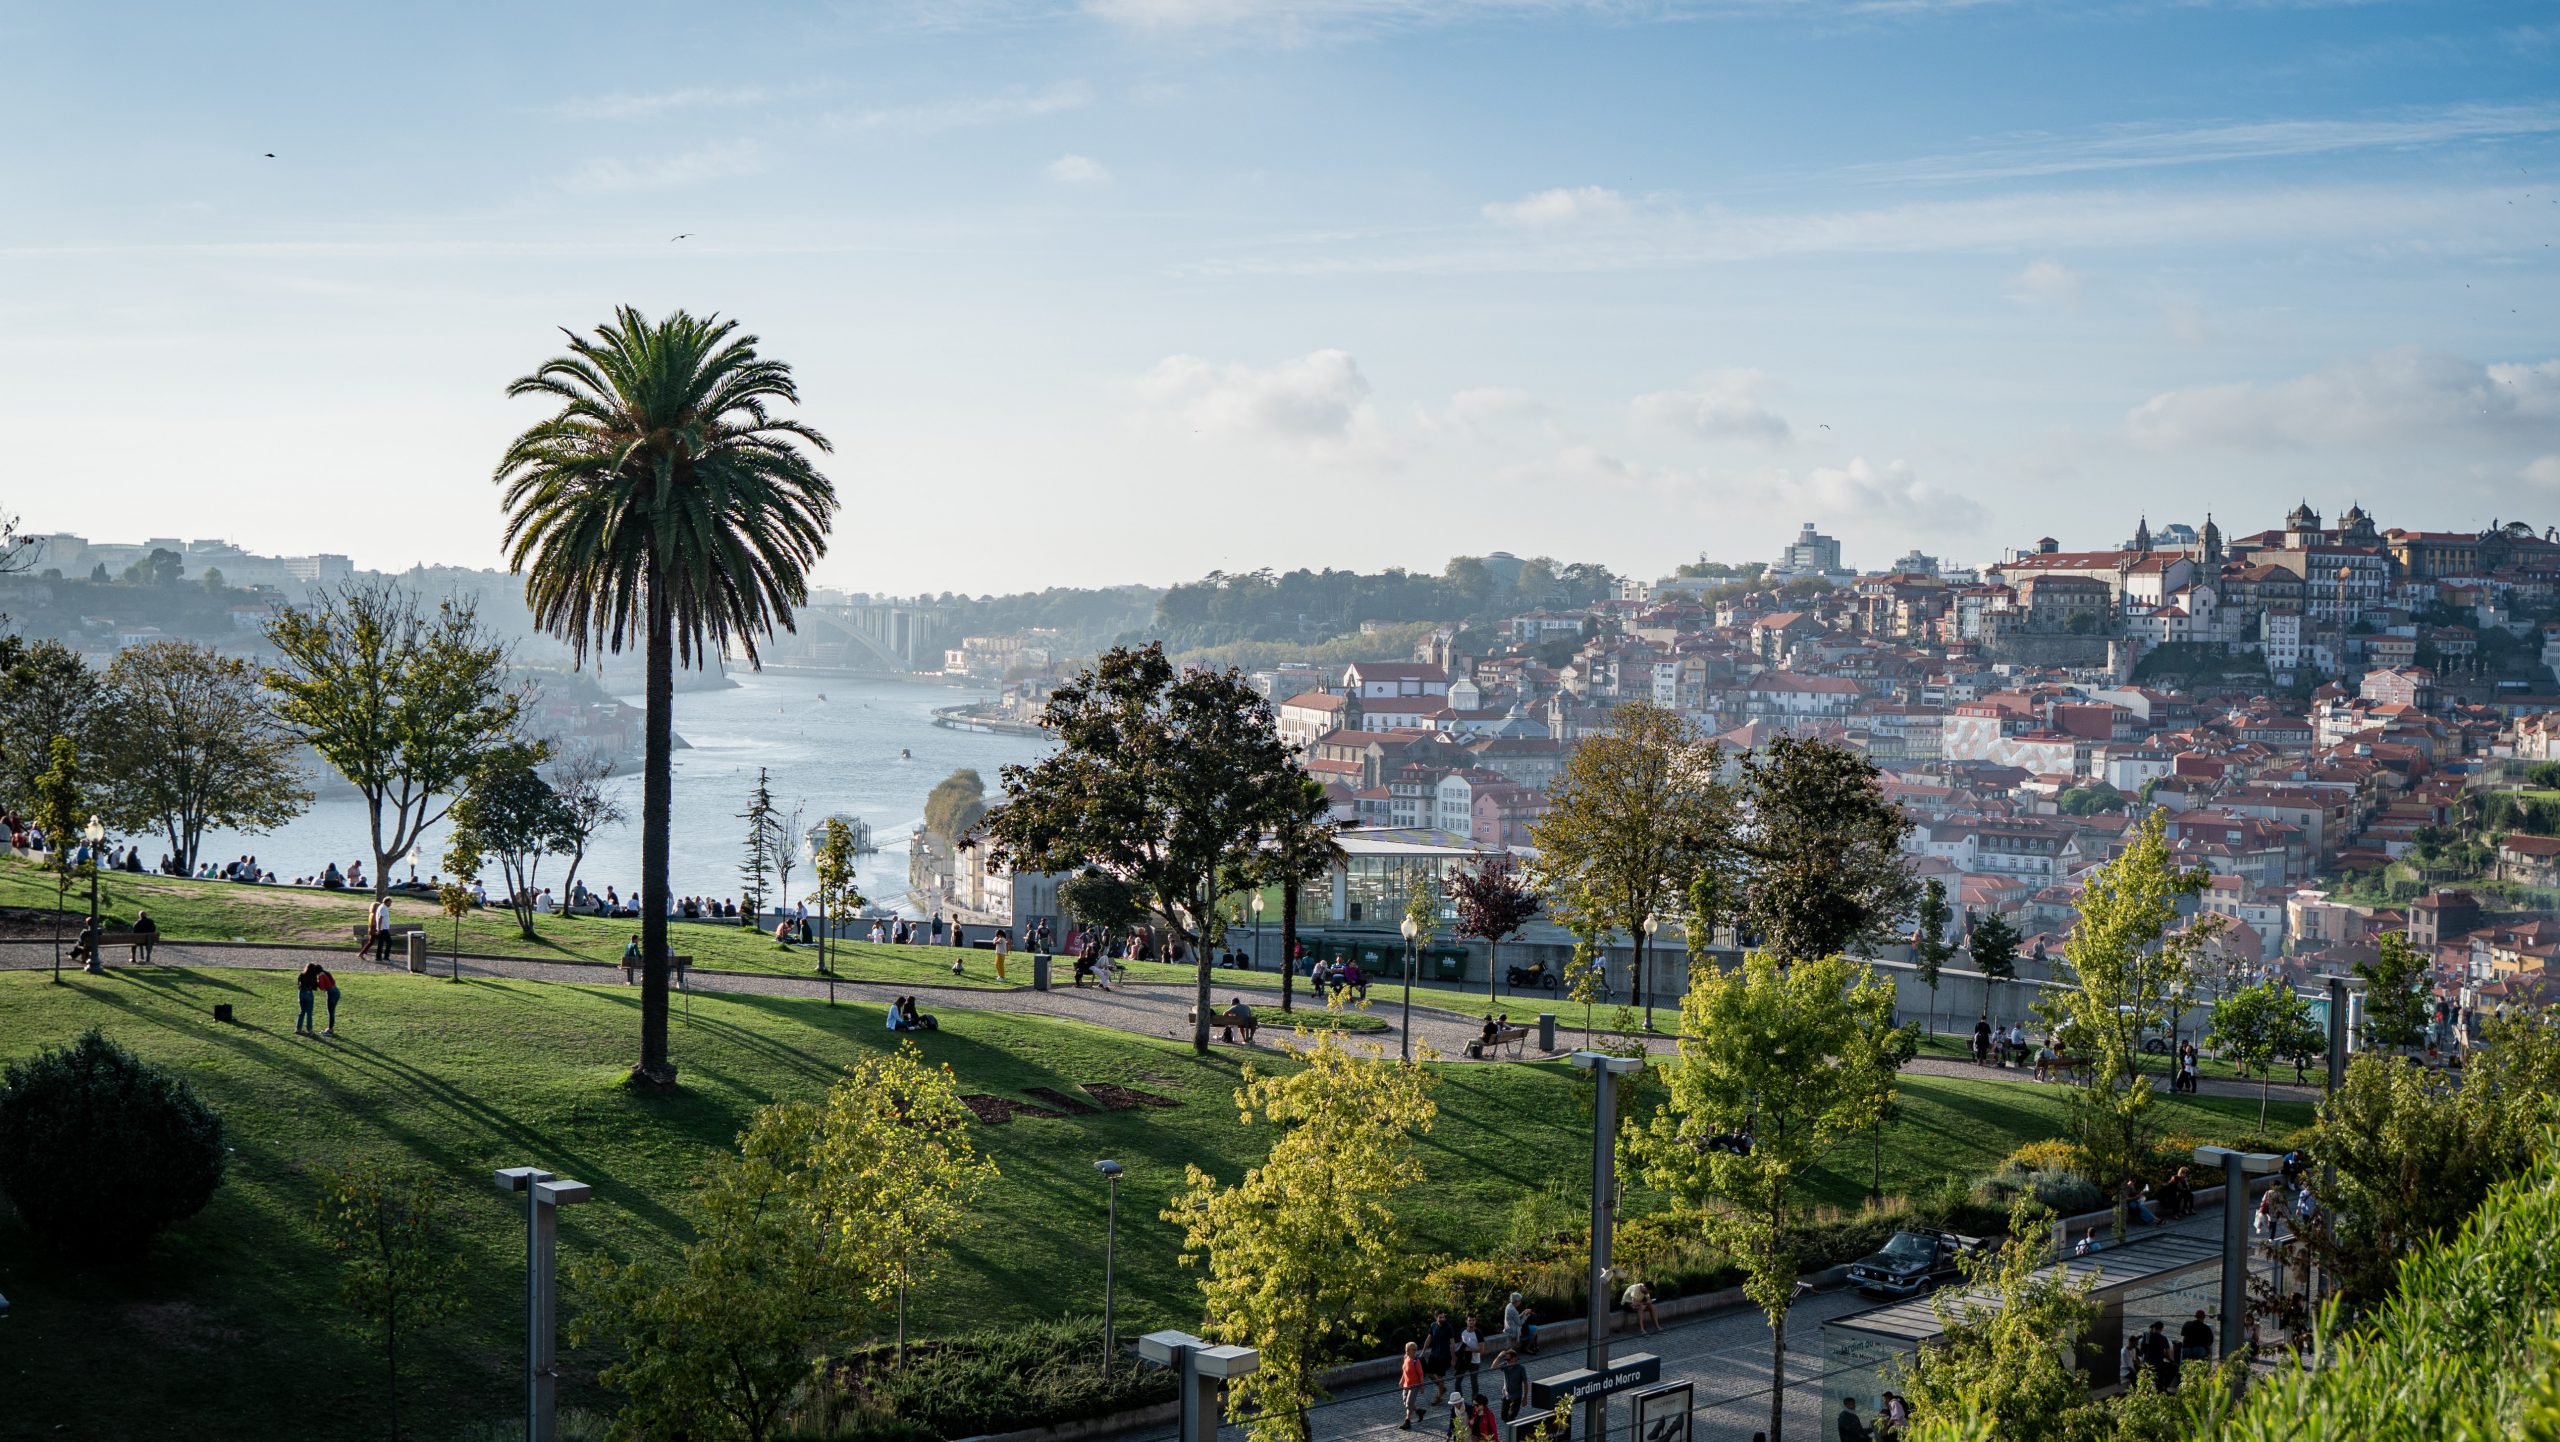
(1662, 1414)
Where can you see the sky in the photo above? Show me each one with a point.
(1134, 290)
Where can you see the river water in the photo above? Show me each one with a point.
(831, 743)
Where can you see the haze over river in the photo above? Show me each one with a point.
(831, 743)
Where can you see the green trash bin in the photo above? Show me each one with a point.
(1449, 966)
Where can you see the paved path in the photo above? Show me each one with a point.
(1157, 1009)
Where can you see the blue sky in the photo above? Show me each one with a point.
(1134, 289)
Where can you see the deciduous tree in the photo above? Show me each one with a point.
(1636, 813)
(2001, 1367)
(1930, 944)
(1163, 778)
(400, 1270)
(60, 798)
(1797, 1056)
(46, 690)
(1298, 851)
(1820, 844)
(1494, 903)
(507, 811)
(2398, 994)
(839, 882)
(582, 777)
(400, 702)
(1303, 1254)
(1994, 948)
(2256, 1025)
(194, 745)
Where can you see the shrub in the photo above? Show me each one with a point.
(2065, 1192)
(100, 1150)
(997, 1380)
(2054, 1155)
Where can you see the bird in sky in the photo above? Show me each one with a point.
(688, 235)
(271, 155)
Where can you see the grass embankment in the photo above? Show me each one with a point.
(190, 910)
(227, 1323)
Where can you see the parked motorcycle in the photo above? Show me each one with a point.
(1520, 978)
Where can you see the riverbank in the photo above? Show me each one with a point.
(974, 717)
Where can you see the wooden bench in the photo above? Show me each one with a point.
(1246, 1024)
(363, 933)
(2067, 1068)
(1514, 1039)
(137, 944)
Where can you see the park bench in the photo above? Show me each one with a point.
(1247, 1024)
(1513, 1039)
(137, 944)
(2067, 1068)
(361, 932)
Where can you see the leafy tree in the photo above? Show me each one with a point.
(1494, 903)
(955, 806)
(2129, 972)
(1823, 869)
(1584, 977)
(1994, 947)
(100, 1151)
(454, 900)
(2002, 1362)
(392, 1231)
(211, 580)
(1930, 944)
(194, 746)
(1797, 1056)
(1303, 1254)
(1636, 812)
(46, 690)
(58, 798)
(755, 868)
(401, 703)
(1096, 900)
(509, 812)
(1167, 780)
(839, 882)
(663, 505)
(1298, 851)
(581, 780)
(161, 568)
(2258, 1024)
(2399, 1000)
(1885, 1106)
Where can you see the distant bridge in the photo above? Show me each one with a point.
(886, 636)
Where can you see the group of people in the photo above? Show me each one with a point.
(314, 982)
(903, 1016)
(1892, 1414)
(1450, 1360)
(1344, 974)
(2150, 1350)
(1999, 1046)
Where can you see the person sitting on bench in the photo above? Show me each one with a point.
(146, 932)
(1237, 1017)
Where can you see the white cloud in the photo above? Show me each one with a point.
(2393, 396)
(967, 112)
(1317, 397)
(2146, 147)
(1718, 406)
(1078, 170)
(636, 107)
(1891, 493)
(688, 167)
(1577, 205)
(2544, 471)
(1490, 414)
(2046, 282)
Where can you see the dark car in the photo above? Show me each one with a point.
(1912, 1262)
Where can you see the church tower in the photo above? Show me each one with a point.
(2142, 534)
(2212, 538)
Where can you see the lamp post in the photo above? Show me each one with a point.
(1257, 929)
(1652, 924)
(1404, 1037)
(95, 833)
(1110, 1244)
(2237, 1168)
(544, 1196)
(1605, 1070)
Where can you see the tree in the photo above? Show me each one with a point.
(2129, 972)
(1298, 850)
(839, 888)
(1168, 780)
(1994, 948)
(1636, 812)
(1585, 976)
(663, 505)
(100, 1151)
(1885, 1107)
(161, 568)
(788, 829)
(955, 805)
(58, 797)
(401, 703)
(194, 746)
(2256, 1025)
(755, 868)
(46, 690)
(579, 778)
(2002, 1356)
(2399, 996)
(1823, 870)
(1795, 1056)
(1494, 903)
(1304, 1253)
(401, 1271)
(508, 811)
(454, 900)
(1096, 900)
(211, 580)
(1930, 944)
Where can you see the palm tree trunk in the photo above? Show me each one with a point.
(1288, 942)
(657, 783)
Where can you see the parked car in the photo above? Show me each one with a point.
(1912, 1262)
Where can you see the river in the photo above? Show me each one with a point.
(831, 743)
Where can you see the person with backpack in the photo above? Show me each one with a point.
(328, 987)
(631, 961)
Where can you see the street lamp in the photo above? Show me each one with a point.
(1257, 931)
(544, 1196)
(1405, 1038)
(1605, 1070)
(1652, 924)
(1110, 1244)
(95, 833)
(2237, 1167)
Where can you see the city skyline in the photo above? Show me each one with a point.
(1141, 289)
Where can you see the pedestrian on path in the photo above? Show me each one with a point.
(1470, 1356)
(1409, 1379)
(631, 961)
(1515, 1383)
(1520, 1324)
(1851, 1428)
(377, 934)
(1004, 948)
(329, 988)
(306, 986)
(1438, 1345)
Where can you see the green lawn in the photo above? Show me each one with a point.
(227, 1322)
(224, 911)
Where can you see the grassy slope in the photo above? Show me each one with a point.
(224, 911)
(227, 1322)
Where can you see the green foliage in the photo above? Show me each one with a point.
(1167, 780)
(2257, 1025)
(838, 871)
(1300, 848)
(391, 1231)
(194, 746)
(1003, 1378)
(59, 797)
(401, 703)
(1930, 944)
(2000, 1360)
(955, 805)
(2398, 995)
(509, 812)
(755, 867)
(1302, 606)
(2090, 800)
(46, 690)
(101, 1151)
(1421, 908)
(1095, 898)
(1823, 870)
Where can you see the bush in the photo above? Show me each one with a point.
(998, 1380)
(2066, 1192)
(100, 1150)
(2055, 1155)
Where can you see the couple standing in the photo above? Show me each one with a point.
(315, 978)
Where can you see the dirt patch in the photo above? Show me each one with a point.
(181, 1325)
(1066, 1104)
(1121, 1099)
(996, 1111)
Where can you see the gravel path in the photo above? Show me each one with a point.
(1157, 1009)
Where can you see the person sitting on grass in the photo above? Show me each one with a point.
(918, 1020)
(782, 932)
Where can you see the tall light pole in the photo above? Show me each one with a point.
(1257, 930)
(1404, 1039)
(95, 833)
(1605, 1070)
(1652, 924)
(1110, 1244)
(544, 1196)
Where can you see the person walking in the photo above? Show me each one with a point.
(1439, 1344)
(306, 987)
(631, 961)
(1004, 948)
(1515, 1382)
(1852, 1429)
(1982, 1041)
(1470, 1356)
(328, 986)
(377, 933)
(1409, 1381)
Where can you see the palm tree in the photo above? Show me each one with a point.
(663, 503)
(1293, 854)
